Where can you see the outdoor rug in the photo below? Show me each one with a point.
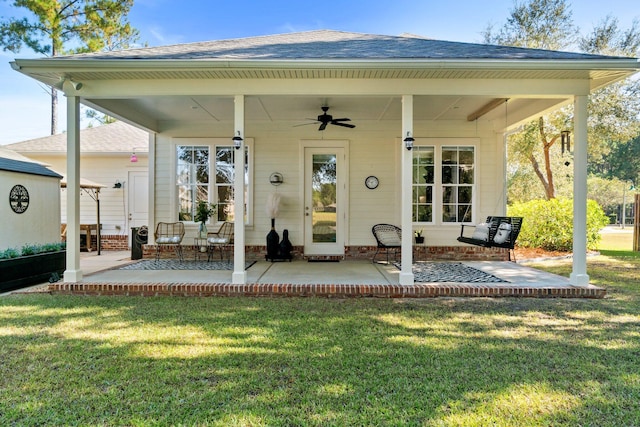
(456, 272)
(172, 264)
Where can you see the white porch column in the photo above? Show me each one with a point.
(73, 272)
(579, 276)
(239, 273)
(406, 271)
(151, 180)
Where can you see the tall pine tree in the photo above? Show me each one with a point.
(61, 27)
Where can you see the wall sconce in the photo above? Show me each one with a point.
(276, 178)
(118, 184)
(565, 141)
(134, 158)
(408, 141)
(237, 141)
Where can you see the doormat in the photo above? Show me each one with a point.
(174, 264)
(453, 272)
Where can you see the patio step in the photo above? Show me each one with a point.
(325, 290)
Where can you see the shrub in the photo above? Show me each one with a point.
(9, 253)
(32, 250)
(548, 224)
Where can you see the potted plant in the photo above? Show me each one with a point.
(419, 237)
(204, 210)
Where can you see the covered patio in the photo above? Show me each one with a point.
(117, 275)
(417, 105)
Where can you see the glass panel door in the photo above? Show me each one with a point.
(324, 211)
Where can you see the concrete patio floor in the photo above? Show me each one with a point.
(358, 278)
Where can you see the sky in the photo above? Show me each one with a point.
(25, 104)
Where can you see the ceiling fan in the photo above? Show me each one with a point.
(326, 119)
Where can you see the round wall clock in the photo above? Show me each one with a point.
(371, 182)
(19, 199)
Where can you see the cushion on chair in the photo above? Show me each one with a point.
(503, 233)
(169, 239)
(217, 240)
(481, 232)
(389, 238)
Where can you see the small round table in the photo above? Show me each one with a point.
(198, 244)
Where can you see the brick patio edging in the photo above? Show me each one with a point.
(322, 290)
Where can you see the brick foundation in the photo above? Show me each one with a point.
(321, 290)
(108, 242)
(114, 242)
(420, 253)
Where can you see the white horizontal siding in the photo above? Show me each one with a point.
(374, 149)
(105, 170)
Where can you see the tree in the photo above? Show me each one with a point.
(614, 111)
(59, 27)
(623, 161)
(539, 24)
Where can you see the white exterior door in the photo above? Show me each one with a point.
(138, 202)
(325, 206)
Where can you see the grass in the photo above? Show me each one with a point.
(67, 360)
(619, 243)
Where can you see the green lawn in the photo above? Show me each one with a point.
(310, 361)
(617, 241)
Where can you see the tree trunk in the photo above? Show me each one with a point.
(54, 96)
(549, 191)
(54, 111)
(545, 178)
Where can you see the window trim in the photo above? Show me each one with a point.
(457, 185)
(438, 144)
(212, 143)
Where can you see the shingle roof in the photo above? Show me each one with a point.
(328, 44)
(26, 167)
(116, 137)
(13, 155)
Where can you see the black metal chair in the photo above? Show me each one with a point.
(388, 238)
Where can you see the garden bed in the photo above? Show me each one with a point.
(16, 273)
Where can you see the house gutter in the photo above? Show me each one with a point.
(141, 64)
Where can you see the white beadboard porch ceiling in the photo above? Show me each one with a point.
(304, 109)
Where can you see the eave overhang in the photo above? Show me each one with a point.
(599, 72)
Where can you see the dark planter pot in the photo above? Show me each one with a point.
(419, 240)
(16, 273)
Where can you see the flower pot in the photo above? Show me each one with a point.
(419, 240)
(202, 230)
(16, 273)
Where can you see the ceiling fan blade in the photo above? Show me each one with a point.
(345, 119)
(323, 126)
(346, 125)
(305, 124)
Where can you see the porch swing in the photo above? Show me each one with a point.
(496, 231)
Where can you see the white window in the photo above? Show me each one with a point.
(207, 172)
(192, 178)
(458, 170)
(443, 181)
(423, 183)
